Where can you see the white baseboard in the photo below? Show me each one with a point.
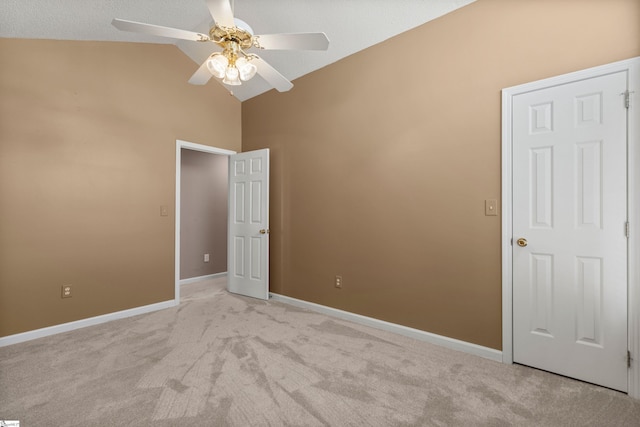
(201, 278)
(66, 327)
(466, 347)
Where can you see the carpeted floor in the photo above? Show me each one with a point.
(224, 360)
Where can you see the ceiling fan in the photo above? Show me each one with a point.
(233, 64)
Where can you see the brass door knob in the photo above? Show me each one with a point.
(263, 231)
(522, 242)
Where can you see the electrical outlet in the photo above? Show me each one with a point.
(206, 257)
(66, 291)
(338, 281)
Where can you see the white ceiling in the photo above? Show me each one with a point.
(351, 25)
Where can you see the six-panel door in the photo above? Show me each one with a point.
(248, 257)
(570, 204)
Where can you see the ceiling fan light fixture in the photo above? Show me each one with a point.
(232, 77)
(247, 69)
(217, 65)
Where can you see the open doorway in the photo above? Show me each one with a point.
(201, 213)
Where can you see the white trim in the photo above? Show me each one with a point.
(507, 262)
(78, 324)
(466, 347)
(201, 278)
(632, 67)
(204, 148)
(634, 232)
(196, 147)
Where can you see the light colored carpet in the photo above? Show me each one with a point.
(220, 359)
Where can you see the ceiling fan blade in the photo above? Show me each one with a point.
(156, 30)
(271, 75)
(202, 75)
(299, 41)
(221, 12)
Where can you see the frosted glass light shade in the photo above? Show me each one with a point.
(232, 77)
(247, 69)
(217, 65)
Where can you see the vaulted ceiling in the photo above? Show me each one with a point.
(351, 25)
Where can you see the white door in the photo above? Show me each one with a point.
(248, 257)
(570, 205)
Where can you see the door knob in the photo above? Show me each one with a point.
(263, 231)
(522, 242)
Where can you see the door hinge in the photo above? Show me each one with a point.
(627, 98)
(629, 359)
(626, 229)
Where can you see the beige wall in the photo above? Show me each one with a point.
(87, 157)
(381, 162)
(204, 187)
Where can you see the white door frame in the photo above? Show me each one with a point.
(196, 147)
(632, 67)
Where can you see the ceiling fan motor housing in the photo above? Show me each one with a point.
(221, 35)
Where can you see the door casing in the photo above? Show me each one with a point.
(632, 67)
(196, 147)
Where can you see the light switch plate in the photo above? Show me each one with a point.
(164, 210)
(491, 207)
